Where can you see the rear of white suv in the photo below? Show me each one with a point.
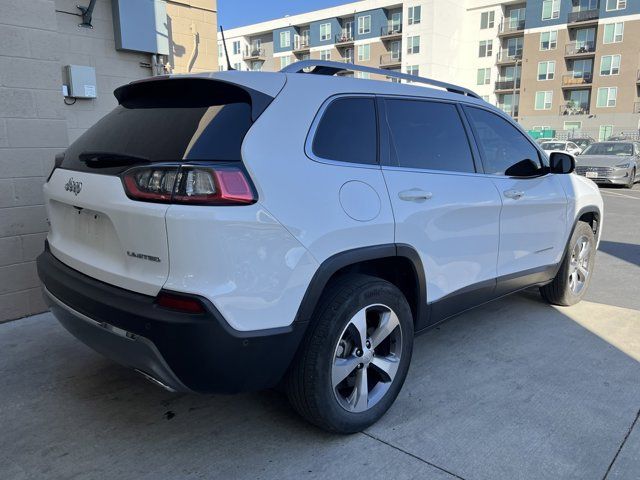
(153, 214)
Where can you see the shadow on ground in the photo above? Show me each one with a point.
(629, 252)
(515, 389)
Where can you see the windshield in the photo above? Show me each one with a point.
(619, 149)
(553, 146)
(582, 143)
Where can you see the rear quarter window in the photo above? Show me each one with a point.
(347, 132)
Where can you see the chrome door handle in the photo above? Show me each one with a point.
(415, 195)
(515, 194)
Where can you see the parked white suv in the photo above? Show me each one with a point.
(239, 231)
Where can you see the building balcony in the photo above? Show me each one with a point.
(507, 56)
(254, 53)
(344, 39)
(391, 60)
(301, 45)
(509, 109)
(580, 49)
(573, 108)
(577, 80)
(511, 27)
(503, 84)
(636, 107)
(584, 16)
(391, 31)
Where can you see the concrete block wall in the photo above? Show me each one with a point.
(37, 39)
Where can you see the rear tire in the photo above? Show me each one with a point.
(355, 357)
(572, 280)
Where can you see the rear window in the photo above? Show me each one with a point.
(553, 146)
(348, 132)
(166, 126)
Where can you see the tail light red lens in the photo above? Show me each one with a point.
(190, 184)
(179, 303)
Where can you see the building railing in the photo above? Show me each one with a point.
(583, 16)
(573, 108)
(301, 43)
(510, 26)
(391, 29)
(344, 37)
(509, 55)
(638, 77)
(576, 48)
(509, 109)
(505, 84)
(636, 107)
(253, 52)
(577, 78)
(391, 58)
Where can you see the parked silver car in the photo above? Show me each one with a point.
(614, 163)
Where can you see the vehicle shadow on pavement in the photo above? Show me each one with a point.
(514, 389)
(629, 252)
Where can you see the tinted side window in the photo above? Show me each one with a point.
(502, 144)
(427, 135)
(348, 132)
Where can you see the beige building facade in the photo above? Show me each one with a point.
(38, 38)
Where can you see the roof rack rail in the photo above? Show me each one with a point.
(325, 67)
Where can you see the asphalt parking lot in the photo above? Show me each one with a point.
(513, 390)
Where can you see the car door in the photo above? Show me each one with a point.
(442, 207)
(533, 228)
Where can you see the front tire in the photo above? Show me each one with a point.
(632, 180)
(354, 360)
(572, 280)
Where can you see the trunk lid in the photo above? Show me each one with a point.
(95, 227)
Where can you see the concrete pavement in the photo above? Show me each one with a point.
(515, 389)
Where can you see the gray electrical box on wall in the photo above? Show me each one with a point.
(81, 81)
(141, 26)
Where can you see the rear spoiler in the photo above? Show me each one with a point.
(189, 92)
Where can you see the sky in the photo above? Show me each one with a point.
(237, 13)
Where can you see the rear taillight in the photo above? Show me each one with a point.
(190, 184)
(180, 303)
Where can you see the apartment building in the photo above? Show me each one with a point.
(564, 65)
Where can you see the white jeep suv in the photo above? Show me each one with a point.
(239, 231)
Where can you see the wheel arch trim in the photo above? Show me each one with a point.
(332, 265)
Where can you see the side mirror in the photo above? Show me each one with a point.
(560, 162)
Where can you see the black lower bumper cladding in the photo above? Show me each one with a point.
(182, 351)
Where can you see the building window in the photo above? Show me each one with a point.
(613, 32)
(325, 54)
(364, 75)
(484, 76)
(485, 48)
(220, 50)
(485, 98)
(285, 61)
(325, 32)
(607, 97)
(413, 44)
(236, 47)
(605, 132)
(413, 70)
(549, 40)
(544, 100)
(364, 25)
(616, 5)
(541, 128)
(364, 53)
(610, 65)
(396, 22)
(550, 9)
(546, 70)
(237, 66)
(285, 39)
(415, 14)
(256, 66)
(572, 125)
(306, 56)
(487, 20)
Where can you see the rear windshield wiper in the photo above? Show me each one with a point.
(110, 159)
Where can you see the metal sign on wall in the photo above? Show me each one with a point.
(141, 26)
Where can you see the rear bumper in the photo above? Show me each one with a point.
(181, 351)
